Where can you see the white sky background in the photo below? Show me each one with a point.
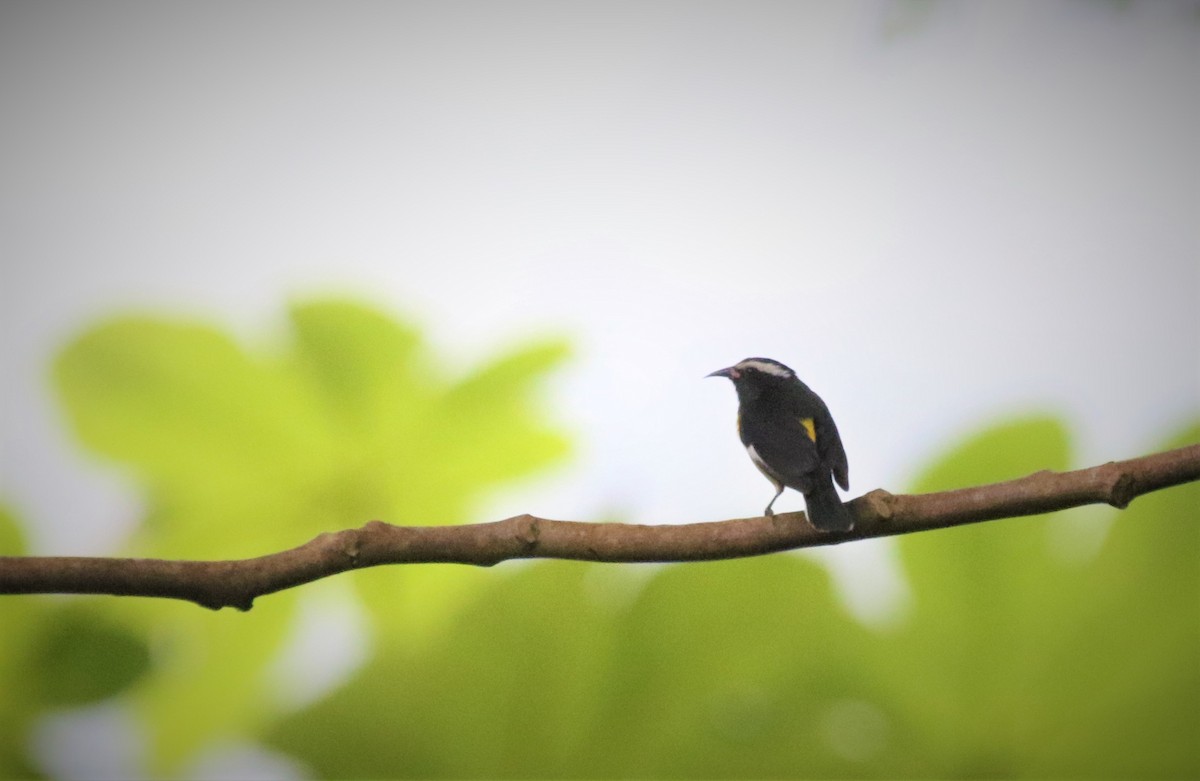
(937, 213)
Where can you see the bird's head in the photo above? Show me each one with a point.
(753, 376)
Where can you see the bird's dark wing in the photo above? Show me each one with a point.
(808, 406)
(833, 454)
(786, 451)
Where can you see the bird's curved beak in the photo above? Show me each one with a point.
(726, 372)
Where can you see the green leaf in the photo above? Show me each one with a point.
(1003, 452)
(553, 672)
(79, 656)
(366, 367)
(19, 617)
(55, 654)
(220, 439)
(1017, 661)
(1131, 646)
(975, 588)
(12, 538)
(729, 669)
(243, 453)
(486, 429)
(210, 682)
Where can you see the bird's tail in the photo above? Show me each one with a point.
(826, 510)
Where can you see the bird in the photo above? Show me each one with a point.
(792, 439)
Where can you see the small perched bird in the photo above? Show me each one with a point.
(791, 438)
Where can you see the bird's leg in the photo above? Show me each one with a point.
(769, 512)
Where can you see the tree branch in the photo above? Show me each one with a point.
(217, 584)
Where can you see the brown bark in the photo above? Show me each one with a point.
(217, 584)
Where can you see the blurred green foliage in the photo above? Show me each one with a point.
(53, 655)
(1015, 660)
(242, 453)
(1019, 654)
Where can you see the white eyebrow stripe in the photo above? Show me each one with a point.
(766, 368)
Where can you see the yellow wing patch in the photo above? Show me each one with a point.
(810, 428)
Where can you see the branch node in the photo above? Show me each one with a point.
(1122, 490)
(353, 543)
(216, 601)
(344, 544)
(879, 504)
(530, 531)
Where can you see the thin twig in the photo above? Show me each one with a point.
(217, 584)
